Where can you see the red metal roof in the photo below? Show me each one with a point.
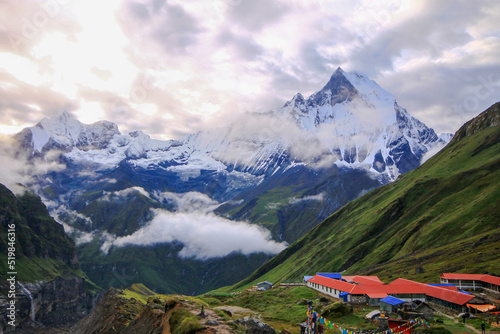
(433, 291)
(399, 286)
(332, 283)
(377, 295)
(363, 279)
(473, 277)
(449, 287)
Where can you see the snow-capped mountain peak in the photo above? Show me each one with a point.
(351, 119)
(345, 95)
(363, 123)
(64, 131)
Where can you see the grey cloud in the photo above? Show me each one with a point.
(430, 33)
(23, 24)
(246, 48)
(178, 30)
(314, 60)
(445, 97)
(170, 26)
(311, 66)
(17, 99)
(138, 10)
(18, 169)
(119, 110)
(189, 202)
(255, 15)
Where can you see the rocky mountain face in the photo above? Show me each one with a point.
(366, 124)
(50, 287)
(285, 170)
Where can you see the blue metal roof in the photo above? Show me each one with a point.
(265, 282)
(307, 278)
(344, 293)
(462, 291)
(330, 275)
(392, 300)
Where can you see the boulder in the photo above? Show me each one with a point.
(255, 326)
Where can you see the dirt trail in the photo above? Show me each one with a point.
(469, 326)
(213, 322)
(240, 311)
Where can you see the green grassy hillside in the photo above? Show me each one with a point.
(444, 216)
(42, 250)
(292, 203)
(161, 267)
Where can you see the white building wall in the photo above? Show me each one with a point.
(323, 289)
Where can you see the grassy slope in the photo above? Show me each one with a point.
(442, 216)
(276, 204)
(43, 250)
(162, 268)
(280, 307)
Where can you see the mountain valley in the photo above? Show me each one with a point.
(441, 216)
(282, 172)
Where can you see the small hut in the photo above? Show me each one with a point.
(263, 286)
(390, 304)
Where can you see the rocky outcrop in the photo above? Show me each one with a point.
(63, 301)
(117, 313)
(488, 118)
(107, 316)
(255, 326)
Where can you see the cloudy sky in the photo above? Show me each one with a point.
(172, 67)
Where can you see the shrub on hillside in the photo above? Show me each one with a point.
(335, 310)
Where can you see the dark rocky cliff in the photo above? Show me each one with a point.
(50, 288)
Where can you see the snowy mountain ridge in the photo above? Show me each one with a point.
(351, 122)
(363, 125)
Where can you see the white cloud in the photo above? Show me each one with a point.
(80, 237)
(128, 191)
(189, 202)
(319, 197)
(432, 152)
(18, 170)
(58, 210)
(276, 132)
(182, 64)
(116, 195)
(203, 235)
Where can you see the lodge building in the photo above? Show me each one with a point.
(370, 290)
(472, 281)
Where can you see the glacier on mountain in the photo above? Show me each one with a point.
(351, 122)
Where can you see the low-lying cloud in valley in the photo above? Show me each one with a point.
(248, 139)
(18, 171)
(319, 197)
(193, 223)
(192, 201)
(118, 195)
(203, 235)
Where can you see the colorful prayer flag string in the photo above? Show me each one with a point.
(315, 322)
